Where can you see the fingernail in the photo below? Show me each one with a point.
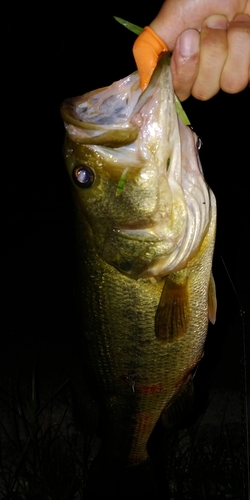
(217, 21)
(241, 17)
(188, 43)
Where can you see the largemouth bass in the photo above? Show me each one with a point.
(145, 221)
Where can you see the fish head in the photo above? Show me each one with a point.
(137, 179)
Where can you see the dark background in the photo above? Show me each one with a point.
(50, 55)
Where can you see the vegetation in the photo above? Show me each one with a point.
(44, 457)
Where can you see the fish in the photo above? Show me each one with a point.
(145, 233)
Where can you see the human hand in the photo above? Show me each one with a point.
(210, 50)
(216, 58)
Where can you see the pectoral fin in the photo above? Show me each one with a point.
(172, 314)
(212, 301)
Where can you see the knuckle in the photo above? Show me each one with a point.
(214, 40)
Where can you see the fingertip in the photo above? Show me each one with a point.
(236, 70)
(244, 18)
(217, 21)
(185, 63)
(188, 43)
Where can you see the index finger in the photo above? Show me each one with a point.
(176, 16)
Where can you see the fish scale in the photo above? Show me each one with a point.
(136, 374)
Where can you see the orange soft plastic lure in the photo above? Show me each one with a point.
(147, 49)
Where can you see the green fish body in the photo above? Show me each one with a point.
(145, 222)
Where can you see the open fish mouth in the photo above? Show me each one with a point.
(109, 106)
(149, 185)
(103, 116)
(107, 116)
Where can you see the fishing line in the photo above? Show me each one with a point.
(244, 402)
(231, 281)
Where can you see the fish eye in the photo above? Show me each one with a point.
(83, 176)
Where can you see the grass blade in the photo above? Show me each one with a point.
(131, 27)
